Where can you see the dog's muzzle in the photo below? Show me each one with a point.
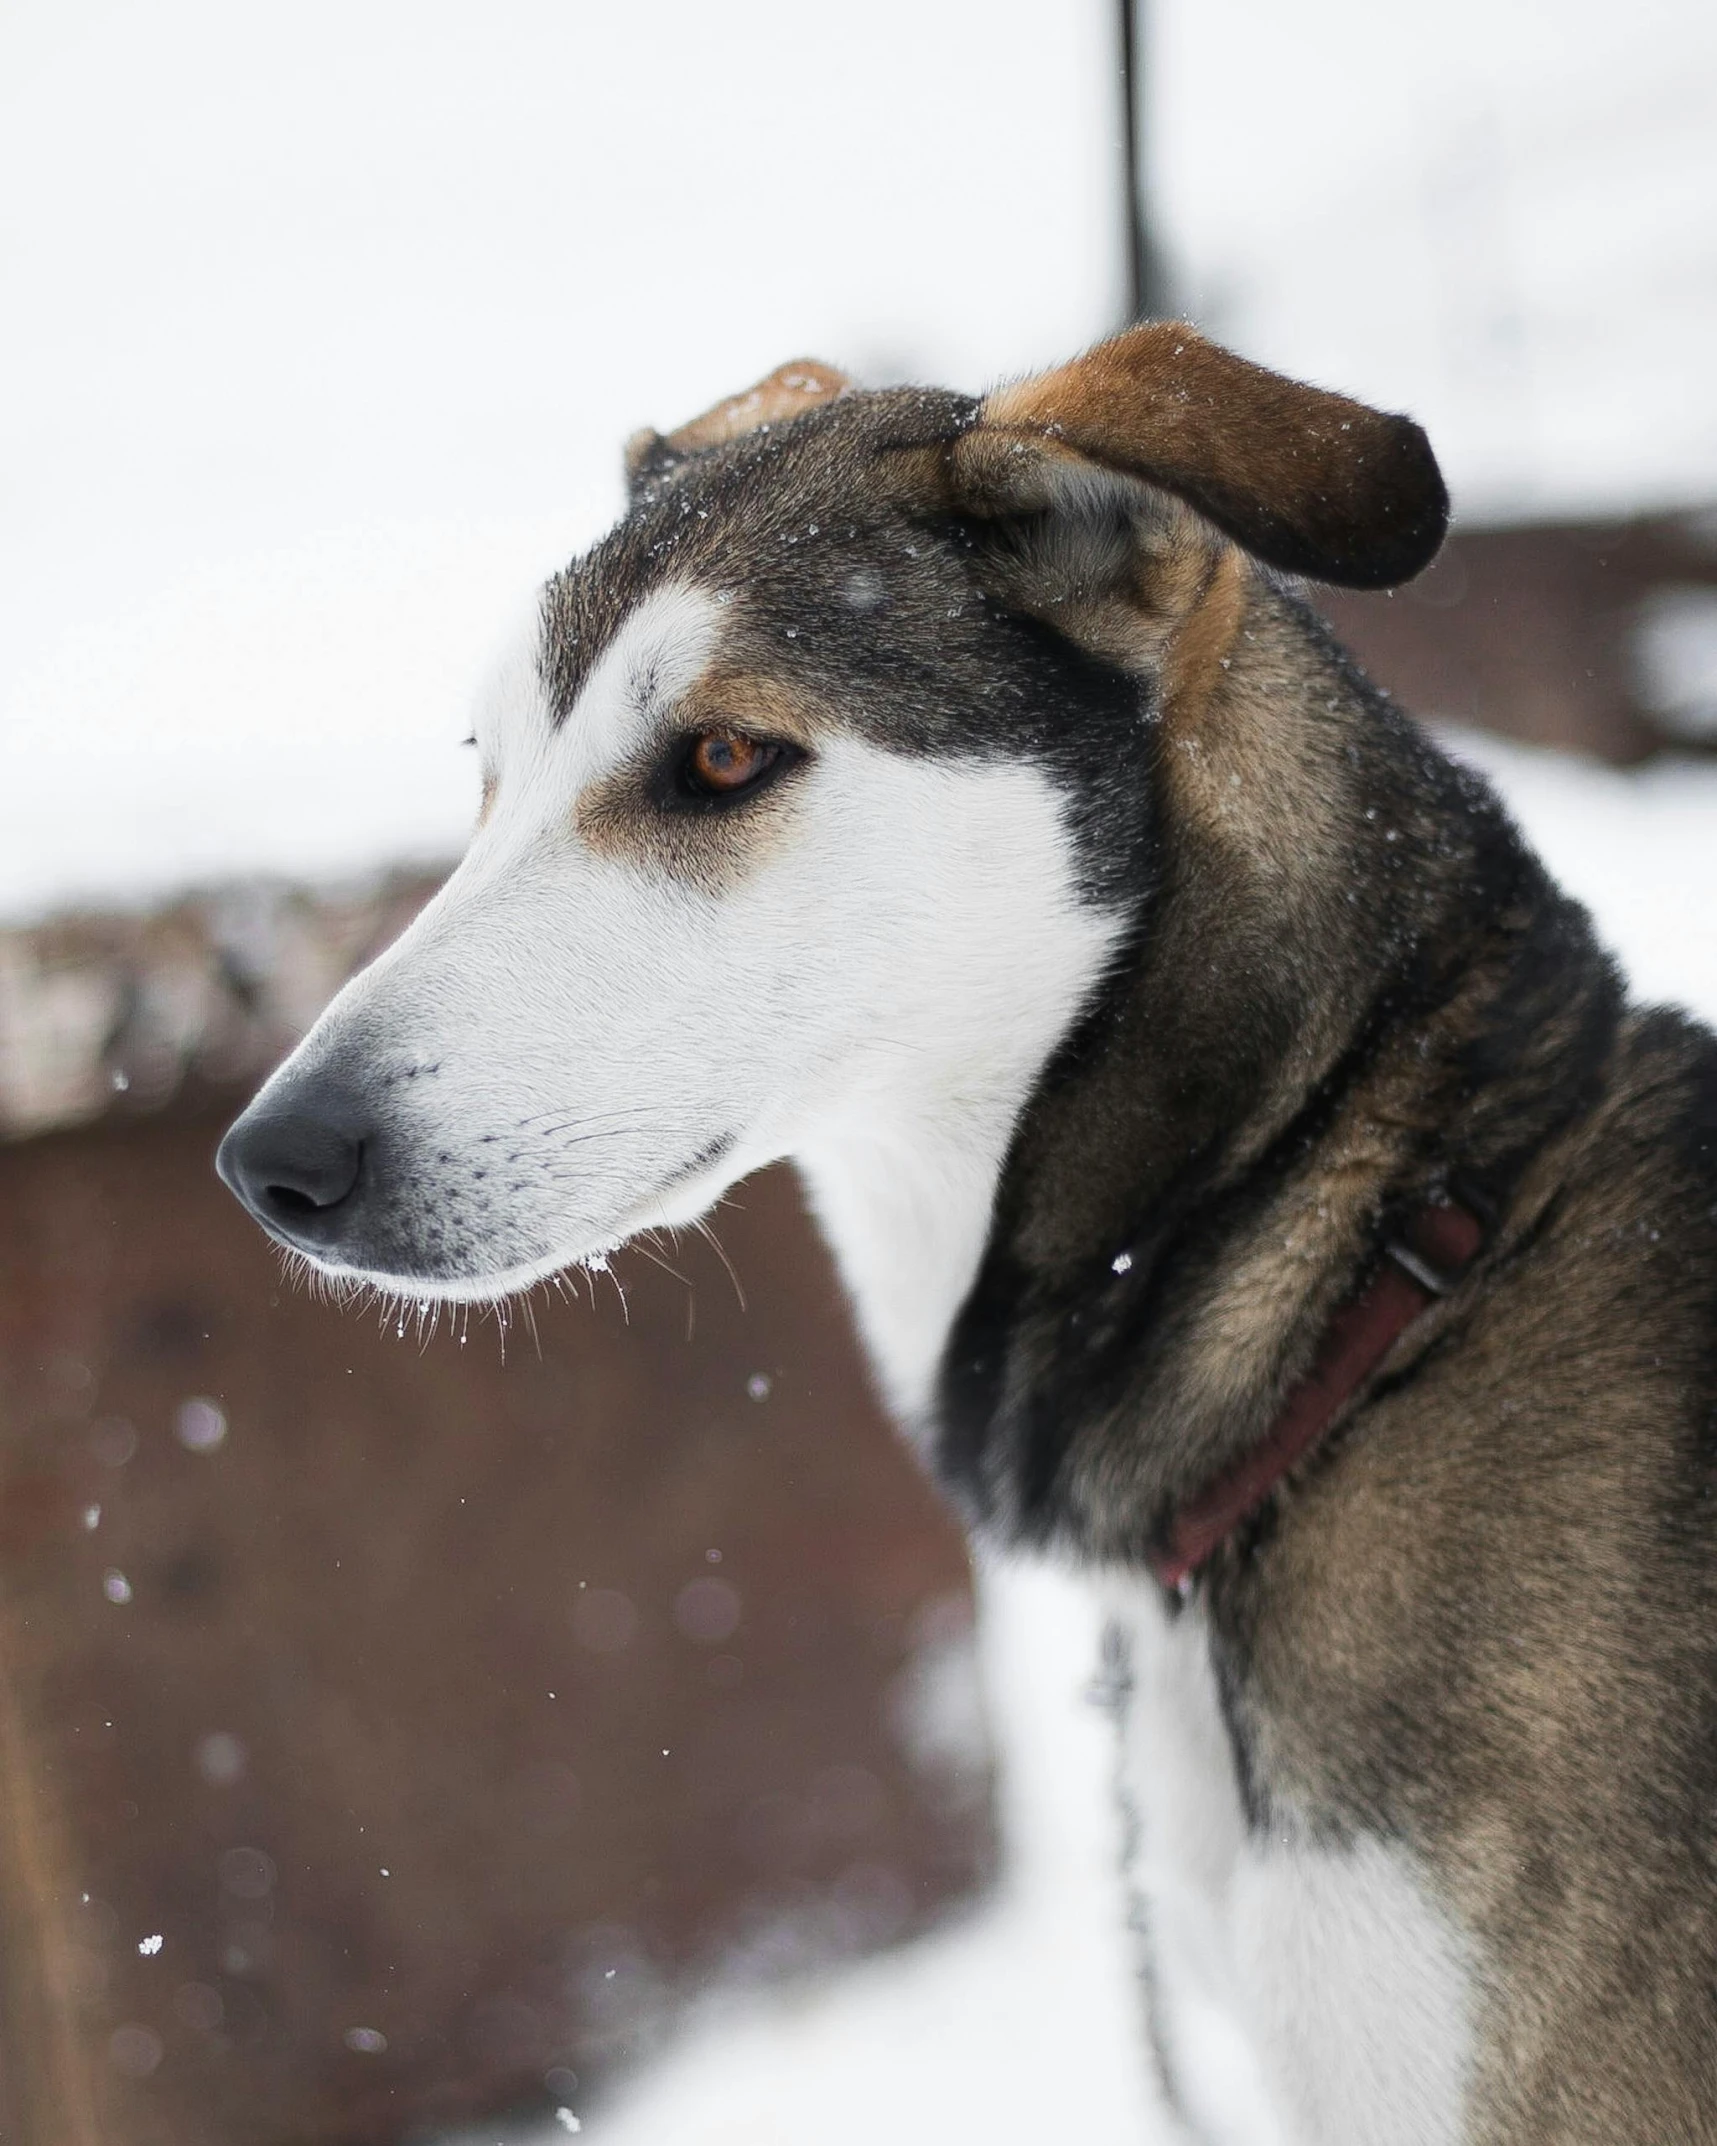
(300, 1172)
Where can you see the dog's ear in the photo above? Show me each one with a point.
(1302, 479)
(788, 392)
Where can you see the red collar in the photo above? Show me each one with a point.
(1430, 1256)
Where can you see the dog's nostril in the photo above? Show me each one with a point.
(289, 1200)
(291, 1169)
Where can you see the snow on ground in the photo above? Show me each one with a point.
(1015, 2025)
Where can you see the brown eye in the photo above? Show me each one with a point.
(720, 763)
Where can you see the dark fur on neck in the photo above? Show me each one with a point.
(1350, 983)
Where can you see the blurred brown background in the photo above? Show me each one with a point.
(390, 1733)
(1551, 633)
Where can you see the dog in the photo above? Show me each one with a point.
(1250, 1178)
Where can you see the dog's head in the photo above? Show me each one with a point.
(815, 797)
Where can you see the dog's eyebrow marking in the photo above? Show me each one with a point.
(645, 684)
(588, 608)
(655, 657)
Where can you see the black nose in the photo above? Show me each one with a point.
(296, 1172)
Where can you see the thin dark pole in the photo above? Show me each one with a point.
(1146, 297)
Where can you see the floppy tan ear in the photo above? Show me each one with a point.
(1302, 479)
(788, 392)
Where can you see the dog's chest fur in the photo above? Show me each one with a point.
(1300, 1993)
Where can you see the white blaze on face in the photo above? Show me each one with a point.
(606, 1044)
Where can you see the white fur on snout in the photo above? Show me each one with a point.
(568, 1047)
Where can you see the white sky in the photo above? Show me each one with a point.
(324, 325)
(1500, 214)
(333, 319)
